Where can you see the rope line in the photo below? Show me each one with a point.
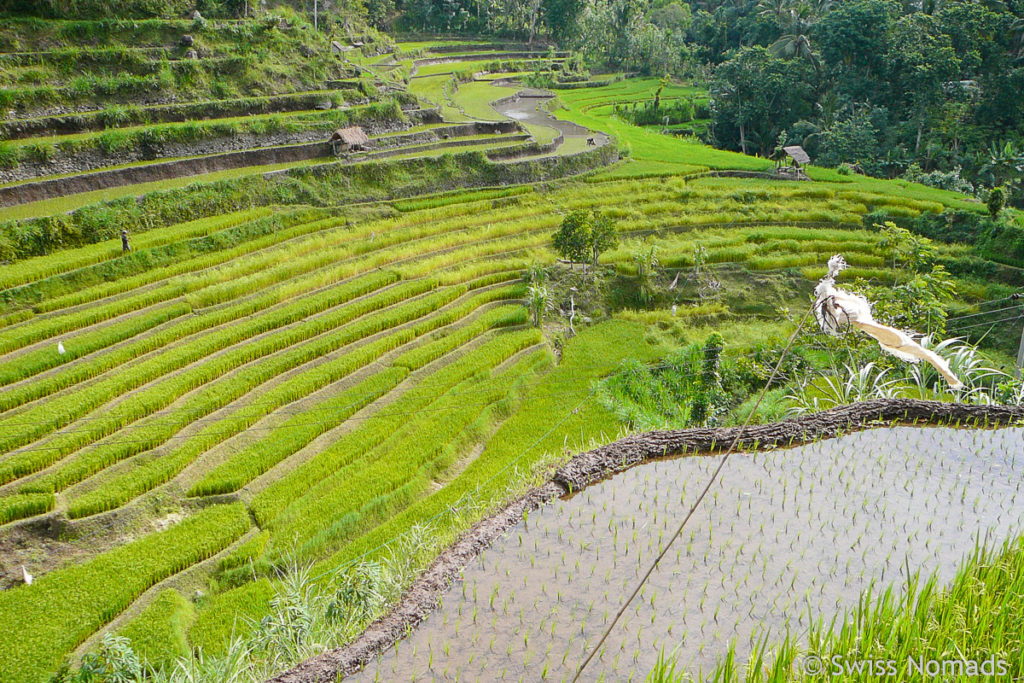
(994, 310)
(696, 504)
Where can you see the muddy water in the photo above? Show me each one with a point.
(779, 535)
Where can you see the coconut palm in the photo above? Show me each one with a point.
(795, 46)
(780, 11)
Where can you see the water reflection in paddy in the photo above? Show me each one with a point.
(780, 533)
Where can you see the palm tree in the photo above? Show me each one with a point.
(795, 46)
(646, 258)
(538, 300)
(1017, 30)
(778, 10)
(1005, 165)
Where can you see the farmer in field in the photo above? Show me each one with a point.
(125, 247)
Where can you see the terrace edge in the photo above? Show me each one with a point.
(591, 466)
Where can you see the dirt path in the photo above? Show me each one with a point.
(527, 107)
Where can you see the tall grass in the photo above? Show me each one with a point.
(979, 616)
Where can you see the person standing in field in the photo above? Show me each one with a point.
(125, 247)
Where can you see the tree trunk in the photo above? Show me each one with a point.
(743, 140)
(535, 9)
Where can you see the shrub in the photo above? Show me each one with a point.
(1002, 241)
(8, 155)
(114, 141)
(996, 201)
(40, 152)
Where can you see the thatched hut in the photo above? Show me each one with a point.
(797, 158)
(349, 139)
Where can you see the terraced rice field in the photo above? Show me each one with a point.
(307, 386)
(296, 373)
(783, 538)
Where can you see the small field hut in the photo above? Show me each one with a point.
(792, 161)
(349, 139)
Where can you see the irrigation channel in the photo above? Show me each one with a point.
(782, 535)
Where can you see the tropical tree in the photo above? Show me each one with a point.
(756, 95)
(603, 235)
(573, 240)
(795, 46)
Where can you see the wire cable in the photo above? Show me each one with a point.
(994, 310)
(959, 328)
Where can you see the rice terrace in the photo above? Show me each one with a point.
(610, 340)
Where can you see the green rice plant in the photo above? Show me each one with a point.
(22, 505)
(185, 328)
(377, 484)
(978, 616)
(34, 362)
(416, 358)
(42, 623)
(272, 501)
(61, 411)
(29, 270)
(9, 157)
(295, 432)
(523, 440)
(159, 263)
(48, 328)
(228, 616)
(176, 286)
(459, 197)
(159, 633)
(299, 430)
(219, 393)
(302, 428)
(246, 552)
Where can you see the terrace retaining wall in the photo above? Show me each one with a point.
(63, 124)
(586, 468)
(279, 152)
(101, 180)
(93, 158)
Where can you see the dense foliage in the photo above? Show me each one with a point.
(891, 87)
(928, 90)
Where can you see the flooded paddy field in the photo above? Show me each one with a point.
(781, 535)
